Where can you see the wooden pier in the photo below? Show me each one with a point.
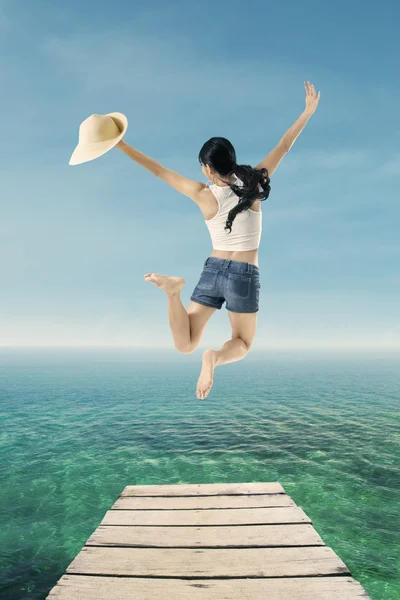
(227, 541)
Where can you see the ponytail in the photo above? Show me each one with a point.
(250, 190)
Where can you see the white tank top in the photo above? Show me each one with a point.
(246, 228)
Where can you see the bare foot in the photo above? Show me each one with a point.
(205, 381)
(170, 285)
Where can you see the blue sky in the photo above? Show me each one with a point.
(75, 242)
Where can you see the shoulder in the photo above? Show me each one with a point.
(201, 193)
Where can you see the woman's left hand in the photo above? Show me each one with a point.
(311, 98)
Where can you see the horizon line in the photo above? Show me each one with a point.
(168, 348)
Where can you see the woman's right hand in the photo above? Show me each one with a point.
(311, 98)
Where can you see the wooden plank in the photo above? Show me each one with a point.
(244, 516)
(239, 535)
(214, 541)
(184, 562)
(191, 502)
(84, 587)
(203, 489)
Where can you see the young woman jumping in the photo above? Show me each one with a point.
(231, 207)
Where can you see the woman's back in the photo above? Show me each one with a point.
(246, 228)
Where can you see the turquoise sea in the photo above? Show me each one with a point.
(77, 426)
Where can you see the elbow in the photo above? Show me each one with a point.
(284, 145)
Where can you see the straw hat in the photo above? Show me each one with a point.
(97, 135)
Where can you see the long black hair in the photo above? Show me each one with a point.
(219, 154)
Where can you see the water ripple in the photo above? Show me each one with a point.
(77, 431)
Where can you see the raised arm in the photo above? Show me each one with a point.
(272, 160)
(142, 159)
(180, 183)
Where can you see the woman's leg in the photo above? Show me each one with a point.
(187, 327)
(244, 327)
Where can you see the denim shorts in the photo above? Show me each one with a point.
(237, 283)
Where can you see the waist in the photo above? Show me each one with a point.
(250, 256)
(234, 266)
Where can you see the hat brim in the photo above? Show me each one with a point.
(87, 152)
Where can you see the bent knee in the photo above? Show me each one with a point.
(188, 349)
(246, 344)
(185, 350)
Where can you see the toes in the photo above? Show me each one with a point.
(201, 394)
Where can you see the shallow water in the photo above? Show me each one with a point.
(78, 426)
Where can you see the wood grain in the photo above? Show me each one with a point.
(81, 587)
(184, 562)
(238, 535)
(203, 489)
(191, 502)
(226, 516)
